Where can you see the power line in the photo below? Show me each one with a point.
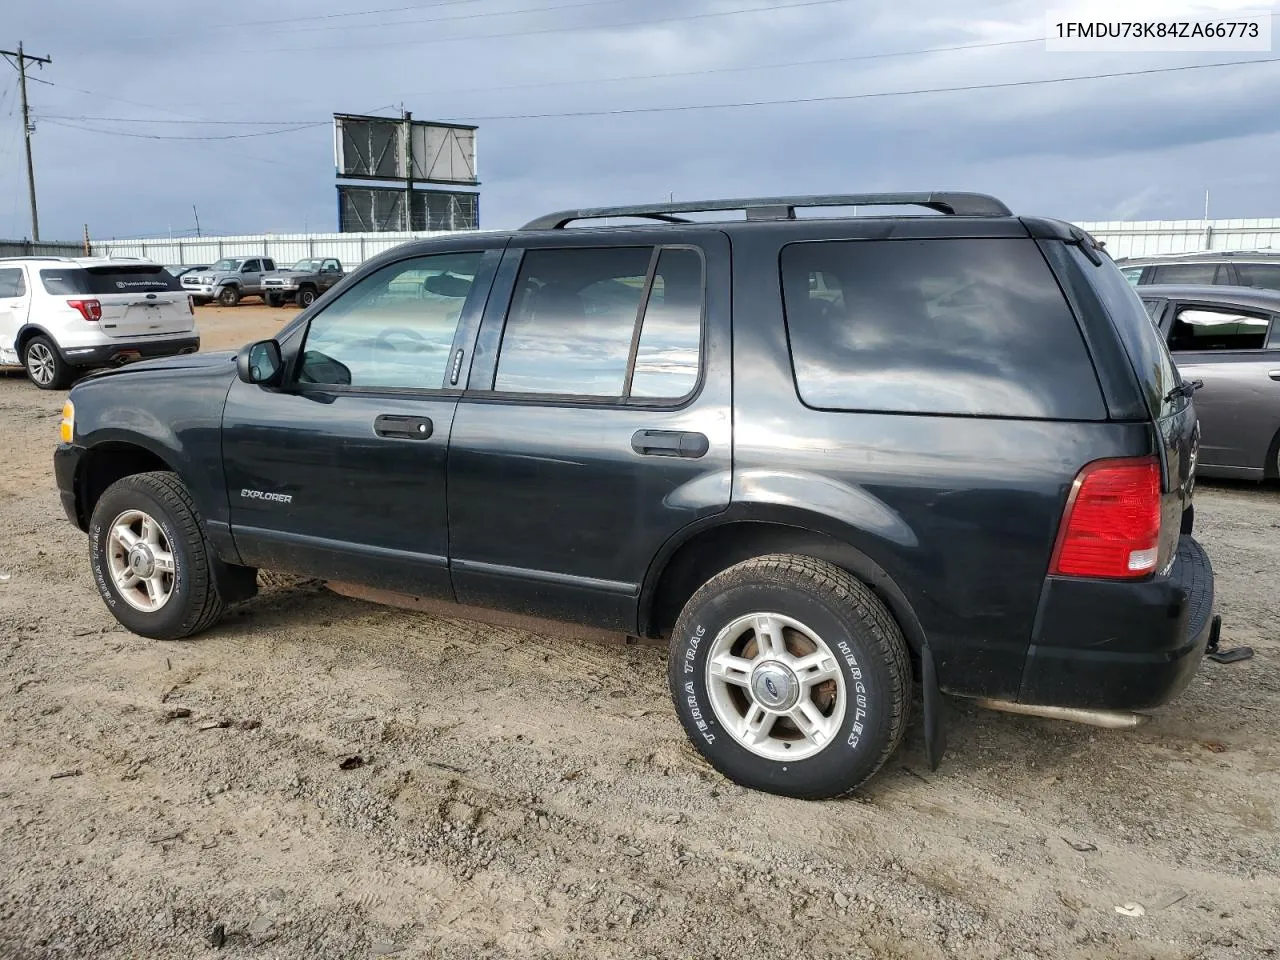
(863, 96)
(684, 108)
(546, 30)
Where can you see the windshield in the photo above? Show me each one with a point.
(226, 265)
(310, 266)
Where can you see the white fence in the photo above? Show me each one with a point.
(1132, 238)
(285, 248)
(1143, 238)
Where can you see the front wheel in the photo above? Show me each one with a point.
(45, 366)
(150, 560)
(790, 676)
(306, 297)
(229, 296)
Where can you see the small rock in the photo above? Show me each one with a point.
(218, 936)
(177, 713)
(1081, 846)
(842, 901)
(544, 823)
(632, 852)
(1132, 910)
(249, 724)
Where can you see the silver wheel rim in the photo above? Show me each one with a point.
(776, 687)
(140, 559)
(40, 363)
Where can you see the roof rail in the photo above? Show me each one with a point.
(783, 208)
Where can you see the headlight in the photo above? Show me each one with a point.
(67, 428)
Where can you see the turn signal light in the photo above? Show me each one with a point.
(1111, 527)
(67, 428)
(89, 309)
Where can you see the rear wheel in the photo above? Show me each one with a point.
(45, 366)
(790, 676)
(229, 296)
(150, 560)
(306, 297)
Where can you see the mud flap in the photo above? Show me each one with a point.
(935, 734)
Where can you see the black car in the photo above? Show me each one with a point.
(825, 457)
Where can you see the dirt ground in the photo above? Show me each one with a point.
(528, 795)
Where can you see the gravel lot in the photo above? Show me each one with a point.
(533, 795)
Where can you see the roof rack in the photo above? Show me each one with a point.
(784, 208)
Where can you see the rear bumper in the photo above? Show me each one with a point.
(1112, 645)
(124, 351)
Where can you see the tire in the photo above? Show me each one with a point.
(229, 296)
(200, 301)
(273, 300)
(45, 366)
(192, 603)
(858, 711)
(306, 297)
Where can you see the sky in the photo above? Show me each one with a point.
(1135, 147)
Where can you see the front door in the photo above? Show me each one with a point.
(596, 424)
(340, 473)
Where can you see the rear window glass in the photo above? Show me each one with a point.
(976, 327)
(99, 281)
(1146, 348)
(1191, 273)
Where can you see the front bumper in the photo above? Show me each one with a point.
(1115, 645)
(125, 351)
(66, 463)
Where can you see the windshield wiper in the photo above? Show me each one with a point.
(1185, 389)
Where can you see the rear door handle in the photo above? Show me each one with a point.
(670, 443)
(402, 428)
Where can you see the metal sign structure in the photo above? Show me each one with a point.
(364, 209)
(385, 148)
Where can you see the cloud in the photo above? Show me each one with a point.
(1134, 147)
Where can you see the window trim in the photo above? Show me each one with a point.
(1177, 306)
(622, 402)
(463, 334)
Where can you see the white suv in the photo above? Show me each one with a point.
(59, 314)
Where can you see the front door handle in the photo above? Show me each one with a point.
(670, 443)
(402, 428)
(1274, 374)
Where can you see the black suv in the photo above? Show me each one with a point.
(824, 456)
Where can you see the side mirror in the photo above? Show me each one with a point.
(260, 363)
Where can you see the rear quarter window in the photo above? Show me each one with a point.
(973, 327)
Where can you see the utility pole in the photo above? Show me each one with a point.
(21, 59)
(406, 118)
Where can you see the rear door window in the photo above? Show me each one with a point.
(1191, 273)
(1202, 328)
(975, 327)
(12, 283)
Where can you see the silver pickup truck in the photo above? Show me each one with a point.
(302, 282)
(229, 280)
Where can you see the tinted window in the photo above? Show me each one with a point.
(1147, 352)
(394, 328)
(1189, 273)
(571, 321)
(1207, 328)
(1132, 274)
(670, 343)
(268, 265)
(974, 327)
(12, 283)
(1264, 275)
(251, 266)
(100, 281)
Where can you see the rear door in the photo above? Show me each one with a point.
(15, 302)
(137, 300)
(596, 424)
(1227, 348)
(251, 276)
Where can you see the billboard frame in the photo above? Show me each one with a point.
(403, 123)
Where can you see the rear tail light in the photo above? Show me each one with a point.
(1111, 527)
(89, 309)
